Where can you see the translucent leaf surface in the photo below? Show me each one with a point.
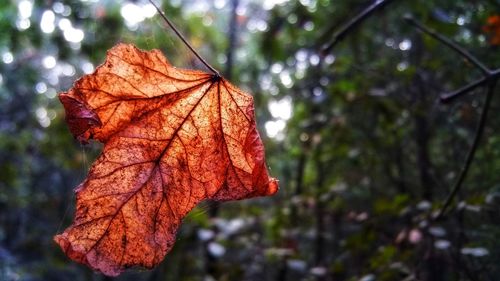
(172, 138)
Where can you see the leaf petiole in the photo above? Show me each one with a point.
(184, 39)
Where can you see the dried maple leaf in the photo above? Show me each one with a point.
(172, 138)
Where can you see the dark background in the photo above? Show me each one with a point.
(365, 152)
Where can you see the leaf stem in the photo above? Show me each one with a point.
(169, 23)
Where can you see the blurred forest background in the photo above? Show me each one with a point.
(365, 151)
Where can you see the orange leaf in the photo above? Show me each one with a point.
(492, 28)
(172, 138)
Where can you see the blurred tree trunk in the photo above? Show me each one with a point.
(400, 177)
(421, 121)
(434, 266)
(319, 210)
(422, 140)
(210, 260)
(299, 182)
(232, 37)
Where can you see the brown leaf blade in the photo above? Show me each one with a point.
(172, 138)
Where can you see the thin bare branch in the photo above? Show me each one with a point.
(452, 45)
(490, 79)
(494, 75)
(472, 151)
(183, 39)
(353, 23)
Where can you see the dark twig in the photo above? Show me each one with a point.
(452, 45)
(472, 151)
(490, 79)
(183, 39)
(490, 75)
(493, 76)
(353, 23)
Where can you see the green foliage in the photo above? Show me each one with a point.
(365, 159)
